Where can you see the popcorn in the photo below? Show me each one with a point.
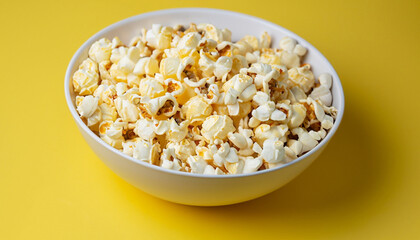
(323, 92)
(146, 66)
(100, 50)
(307, 141)
(209, 170)
(128, 147)
(145, 129)
(169, 67)
(303, 77)
(235, 168)
(196, 109)
(152, 88)
(223, 66)
(194, 101)
(175, 164)
(147, 152)
(112, 132)
(86, 106)
(85, 80)
(109, 113)
(217, 127)
(160, 106)
(251, 164)
(298, 115)
(218, 35)
(183, 149)
(159, 37)
(177, 133)
(174, 87)
(223, 154)
(197, 164)
(128, 62)
(273, 151)
(127, 110)
(189, 42)
(265, 131)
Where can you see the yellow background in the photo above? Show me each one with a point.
(364, 186)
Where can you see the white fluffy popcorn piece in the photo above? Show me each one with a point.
(161, 127)
(189, 41)
(145, 129)
(129, 146)
(251, 164)
(302, 77)
(265, 131)
(169, 67)
(327, 122)
(128, 62)
(197, 109)
(152, 87)
(121, 88)
(177, 132)
(218, 35)
(147, 152)
(174, 87)
(127, 110)
(86, 106)
(112, 132)
(298, 115)
(197, 164)
(210, 95)
(299, 50)
(307, 141)
(264, 75)
(272, 151)
(86, 78)
(89, 109)
(207, 64)
(161, 106)
(174, 164)
(223, 154)
(146, 66)
(295, 146)
(209, 170)
(239, 88)
(217, 127)
(287, 43)
(290, 56)
(109, 113)
(159, 37)
(223, 66)
(236, 167)
(241, 139)
(183, 149)
(289, 155)
(296, 94)
(268, 110)
(323, 92)
(106, 93)
(101, 50)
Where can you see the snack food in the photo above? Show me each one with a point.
(191, 100)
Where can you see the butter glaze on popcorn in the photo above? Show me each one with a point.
(191, 100)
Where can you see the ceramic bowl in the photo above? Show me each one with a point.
(188, 188)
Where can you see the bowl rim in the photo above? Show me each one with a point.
(84, 127)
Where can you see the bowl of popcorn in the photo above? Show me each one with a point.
(202, 106)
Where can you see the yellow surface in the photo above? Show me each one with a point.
(364, 186)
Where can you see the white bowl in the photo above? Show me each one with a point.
(188, 188)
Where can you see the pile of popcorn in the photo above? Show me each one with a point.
(192, 100)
